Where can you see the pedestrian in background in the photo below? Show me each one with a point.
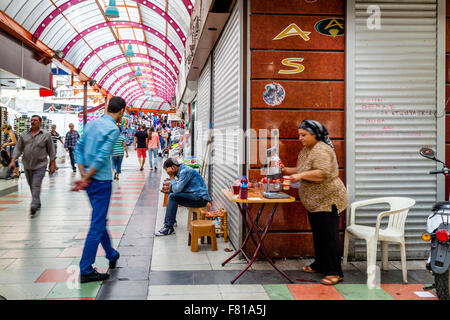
(93, 156)
(55, 138)
(35, 145)
(70, 143)
(153, 147)
(10, 144)
(119, 149)
(140, 144)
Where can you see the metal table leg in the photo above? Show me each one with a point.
(260, 245)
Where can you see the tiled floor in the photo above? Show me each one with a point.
(39, 256)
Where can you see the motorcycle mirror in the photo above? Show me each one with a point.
(427, 153)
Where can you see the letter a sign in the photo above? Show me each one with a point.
(293, 30)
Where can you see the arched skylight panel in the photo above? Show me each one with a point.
(80, 16)
(160, 44)
(129, 33)
(178, 11)
(105, 70)
(81, 50)
(107, 52)
(169, 82)
(28, 13)
(154, 20)
(123, 90)
(141, 59)
(60, 39)
(117, 75)
(162, 61)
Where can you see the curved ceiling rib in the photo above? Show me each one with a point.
(127, 75)
(59, 10)
(154, 88)
(137, 42)
(94, 28)
(134, 64)
(130, 85)
(137, 92)
(137, 55)
(125, 86)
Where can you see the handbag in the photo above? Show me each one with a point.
(3, 172)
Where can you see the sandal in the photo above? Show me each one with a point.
(331, 280)
(308, 269)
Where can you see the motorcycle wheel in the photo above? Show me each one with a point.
(442, 282)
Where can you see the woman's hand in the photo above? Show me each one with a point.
(296, 177)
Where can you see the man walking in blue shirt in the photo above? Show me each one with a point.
(93, 156)
(187, 189)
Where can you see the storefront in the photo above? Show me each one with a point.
(379, 89)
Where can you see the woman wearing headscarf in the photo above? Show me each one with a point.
(323, 195)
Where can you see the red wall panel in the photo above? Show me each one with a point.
(305, 94)
(288, 121)
(317, 65)
(309, 38)
(299, 6)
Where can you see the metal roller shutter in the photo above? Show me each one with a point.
(202, 113)
(393, 112)
(227, 120)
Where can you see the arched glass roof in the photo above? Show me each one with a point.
(96, 45)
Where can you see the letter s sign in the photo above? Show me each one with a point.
(292, 62)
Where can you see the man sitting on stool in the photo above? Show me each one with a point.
(187, 189)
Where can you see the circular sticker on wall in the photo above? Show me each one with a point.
(274, 94)
(331, 27)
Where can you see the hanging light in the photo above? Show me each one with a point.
(147, 93)
(129, 53)
(111, 10)
(138, 72)
(144, 84)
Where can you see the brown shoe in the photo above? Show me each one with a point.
(308, 269)
(331, 280)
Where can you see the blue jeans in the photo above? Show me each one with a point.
(188, 200)
(117, 163)
(152, 152)
(99, 193)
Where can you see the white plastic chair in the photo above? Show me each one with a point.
(394, 232)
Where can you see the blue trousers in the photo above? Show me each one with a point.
(188, 200)
(117, 163)
(99, 193)
(152, 153)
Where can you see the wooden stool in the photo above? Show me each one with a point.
(194, 214)
(222, 214)
(202, 228)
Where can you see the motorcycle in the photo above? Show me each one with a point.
(438, 232)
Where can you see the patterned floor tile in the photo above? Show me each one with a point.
(75, 290)
(314, 292)
(25, 291)
(60, 275)
(112, 234)
(362, 292)
(408, 292)
(117, 222)
(278, 292)
(78, 252)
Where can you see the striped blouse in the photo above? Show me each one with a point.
(118, 149)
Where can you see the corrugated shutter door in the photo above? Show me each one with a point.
(203, 111)
(227, 120)
(395, 106)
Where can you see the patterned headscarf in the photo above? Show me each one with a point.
(317, 129)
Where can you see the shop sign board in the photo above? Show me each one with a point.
(61, 108)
